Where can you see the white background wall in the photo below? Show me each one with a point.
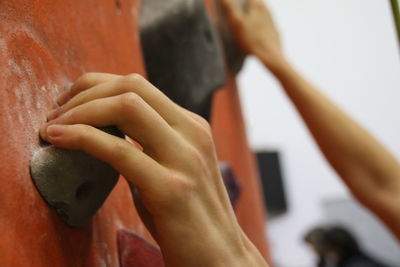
(348, 48)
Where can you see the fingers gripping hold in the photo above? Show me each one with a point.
(117, 152)
(117, 85)
(84, 82)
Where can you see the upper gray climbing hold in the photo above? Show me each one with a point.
(182, 52)
(234, 54)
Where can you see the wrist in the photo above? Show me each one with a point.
(251, 255)
(280, 67)
(276, 63)
(213, 247)
(240, 253)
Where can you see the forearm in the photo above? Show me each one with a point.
(360, 160)
(371, 173)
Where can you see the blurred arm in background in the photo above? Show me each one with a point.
(365, 166)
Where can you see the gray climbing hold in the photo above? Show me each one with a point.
(73, 182)
(234, 54)
(182, 52)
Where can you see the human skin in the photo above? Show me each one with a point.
(370, 172)
(173, 166)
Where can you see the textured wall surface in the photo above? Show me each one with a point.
(45, 44)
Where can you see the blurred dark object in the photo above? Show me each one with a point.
(231, 182)
(396, 15)
(234, 55)
(182, 52)
(272, 182)
(336, 246)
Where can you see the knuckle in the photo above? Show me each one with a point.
(121, 151)
(86, 79)
(129, 102)
(200, 133)
(204, 140)
(199, 158)
(203, 122)
(134, 78)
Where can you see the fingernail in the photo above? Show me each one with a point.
(42, 131)
(54, 131)
(53, 114)
(63, 98)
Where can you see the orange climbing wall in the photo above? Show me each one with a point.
(43, 45)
